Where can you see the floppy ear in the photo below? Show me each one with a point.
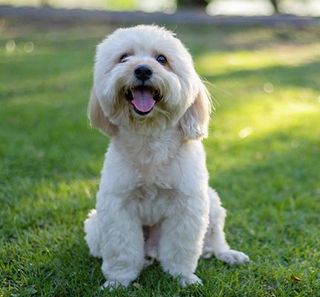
(194, 123)
(97, 117)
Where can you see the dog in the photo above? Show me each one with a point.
(154, 201)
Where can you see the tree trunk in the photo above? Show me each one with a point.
(275, 5)
(200, 4)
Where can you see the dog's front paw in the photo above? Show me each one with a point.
(114, 284)
(187, 280)
(233, 257)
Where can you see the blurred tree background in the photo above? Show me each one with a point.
(202, 4)
(212, 7)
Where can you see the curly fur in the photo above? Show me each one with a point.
(154, 201)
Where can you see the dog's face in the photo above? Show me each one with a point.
(144, 79)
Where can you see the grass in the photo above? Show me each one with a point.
(262, 153)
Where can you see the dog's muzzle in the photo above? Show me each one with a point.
(143, 98)
(143, 72)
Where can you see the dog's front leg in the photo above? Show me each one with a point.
(182, 236)
(122, 244)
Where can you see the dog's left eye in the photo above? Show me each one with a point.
(123, 58)
(162, 59)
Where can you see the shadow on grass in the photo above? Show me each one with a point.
(47, 69)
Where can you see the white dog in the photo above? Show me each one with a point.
(154, 201)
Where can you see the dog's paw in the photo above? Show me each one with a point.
(207, 253)
(148, 261)
(233, 257)
(113, 284)
(187, 280)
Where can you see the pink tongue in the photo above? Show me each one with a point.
(143, 100)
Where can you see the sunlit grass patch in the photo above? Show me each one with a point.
(221, 62)
(218, 62)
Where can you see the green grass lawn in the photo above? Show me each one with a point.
(263, 154)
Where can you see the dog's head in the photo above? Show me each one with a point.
(144, 79)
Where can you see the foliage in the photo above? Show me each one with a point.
(121, 5)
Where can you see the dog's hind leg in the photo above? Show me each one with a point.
(215, 242)
(91, 228)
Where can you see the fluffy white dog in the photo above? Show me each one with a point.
(154, 201)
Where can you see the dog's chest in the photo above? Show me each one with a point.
(152, 163)
(153, 178)
(154, 192)
(152, 203)
(149, 151)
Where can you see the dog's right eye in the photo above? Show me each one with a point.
(162, 59)
(123, 58)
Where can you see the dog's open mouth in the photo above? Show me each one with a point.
(143, 98)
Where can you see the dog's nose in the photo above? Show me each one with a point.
(143, 72)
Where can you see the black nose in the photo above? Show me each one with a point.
(143, 72)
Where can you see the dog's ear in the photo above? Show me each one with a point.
(194, 123)
(97, 117)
